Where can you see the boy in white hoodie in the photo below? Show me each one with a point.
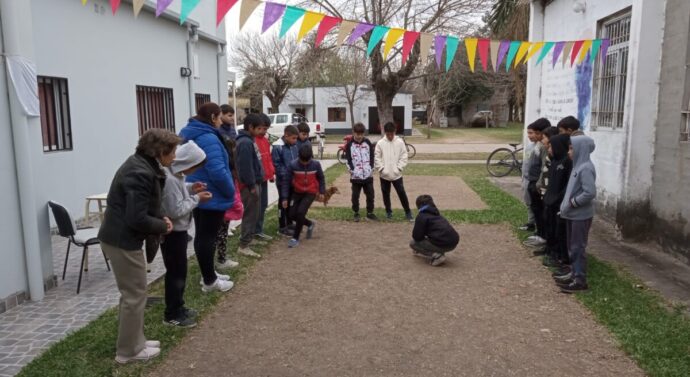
(390, 160)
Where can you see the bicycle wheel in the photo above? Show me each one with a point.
(322, 145)
(341, 157)
(411, 150)
(501, 162)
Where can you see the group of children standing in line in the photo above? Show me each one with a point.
(559, 185)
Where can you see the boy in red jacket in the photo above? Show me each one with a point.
(306, 178)
(269, 174)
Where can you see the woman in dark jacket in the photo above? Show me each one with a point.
(133, 214)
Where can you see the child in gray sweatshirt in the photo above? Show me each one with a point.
(577, 209)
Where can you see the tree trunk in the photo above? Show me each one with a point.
(384, 103)
(275, 105)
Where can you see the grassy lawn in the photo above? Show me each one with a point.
(460, 156)
(511, 133)
(654, 334)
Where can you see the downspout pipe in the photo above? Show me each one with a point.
(222, 68)
(192, 38)
(17, 35)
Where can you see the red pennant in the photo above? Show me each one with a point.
(576, 48)
(409, 39)
(222, 8)
(114, 4)
(483, 47)
(326, 25)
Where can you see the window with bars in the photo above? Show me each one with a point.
(609, 79)
(56, 123)
(155, 108)
(336, 114)
(201, 99)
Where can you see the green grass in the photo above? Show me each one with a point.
(509, 134)
(460, 156)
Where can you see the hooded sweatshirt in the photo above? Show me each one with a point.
(390, 158)
(578, 203)
(249, 169)
(559, 171)
(216, 172)
(304, 179)
(430, 224)
(178, 198)
(283, 154)
(360, 160)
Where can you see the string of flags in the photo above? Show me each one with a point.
(498, 52)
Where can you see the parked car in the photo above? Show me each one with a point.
(281, 120)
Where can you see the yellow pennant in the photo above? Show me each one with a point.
(536, 47)
(83, 2)
(391, 40)
(471, 46)
(522, 51)
(311, 19)
(583, 50)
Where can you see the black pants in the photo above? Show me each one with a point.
(283, 213)
(556, 235)
(207, 223)
(537, 206)
(399, 189)
(174, 250)
(368, 187)
(298, 211)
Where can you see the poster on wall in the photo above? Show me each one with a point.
(567, 91)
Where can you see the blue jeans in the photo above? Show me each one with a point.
(262, 209)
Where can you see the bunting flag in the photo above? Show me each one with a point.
(502, 51)
(596, 44)
(222, 8)
(114, 5)
(557, 53)
(409, 40)
(161, 6)
(425, 40)
(583, 51)
(361, 29)
(566, 52)
(604, 51)
(439, 44)
(483, 48)
(471, 46)
(272, 13)
(376, 37)
(325, 26)
(392, 38)
(495, 45)
(187, 8)
(292, 15)
(451, 48)
(311, 19)
(246, 9)
(514, 46)
(577, 45)
(345, 28)
(533, 50)
(544, 51)
(522, 52)
(83, 2)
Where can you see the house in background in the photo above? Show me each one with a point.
(103, 80)
(635, 106)
(333, 111)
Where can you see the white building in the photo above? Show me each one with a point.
(635, 107)
(103, 79)
(333, 111)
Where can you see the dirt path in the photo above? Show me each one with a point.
(354, 302)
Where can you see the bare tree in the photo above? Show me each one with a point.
(428, 16)
(349, 71)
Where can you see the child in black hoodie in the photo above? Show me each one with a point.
(559, 173)
(432, 236)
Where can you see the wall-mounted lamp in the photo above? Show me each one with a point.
(185, 72)
(579, 6)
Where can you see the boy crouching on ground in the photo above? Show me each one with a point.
(432, 236)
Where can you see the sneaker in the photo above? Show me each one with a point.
(310, 229)
(293, 243)
(409, 217)
(536, 239)
(181, 321)
(539, 252)
(246, 251)
(356, 218)
(230, 233)
(561, 271)
(285, 232)
(372, 217)
(191, 313)
(152, 344)
(228, 264)
(389, 215)
(528, 227)
(263, 236)
(146, 354)
(219, 276)
(218, 285)
(564, 284)
(438, 259)
(563, 278)
(575, 287)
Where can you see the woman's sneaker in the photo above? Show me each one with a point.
(227, 264)
(181, 320)
(310, 229)
(246, 251)
(146, 354)
(218, 285)
(293, 243)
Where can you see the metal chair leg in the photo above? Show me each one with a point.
(106, 260)
(81, 269)
(64, 269)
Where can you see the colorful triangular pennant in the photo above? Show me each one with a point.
(361, 29)
(584, 50)
(376, 37)
(451, 49)
(522, 52)
(114, 5)
(222, 8)
(557, 50)
(346, 27)
(292, 15)
(544, 51)
(83, 2)
(471, 46)
(495, 46)
(246, 9)
(425, 41)
(533, 50)
(483, 48)
(325, 26)
(596, 44)
(391, 39)
(604, 50)
(272, 14)
(187, 8)
(311, 19)
(136, 6)
(161, 6)
(409, 39)
(439, 44)
(502, 51)
(577, 45)
(566, 52)
(514, 46)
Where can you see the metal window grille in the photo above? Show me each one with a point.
(609, 83)
(336, 114)
(201, 99)
(56, 123)
(155, 108)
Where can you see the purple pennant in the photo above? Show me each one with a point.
(604, 49)
(439, 44)
(502, 51)
(361, 29)
(161, 6)
(272, 13)
(557, 49)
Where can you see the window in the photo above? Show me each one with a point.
(201, 99)
(609, 79)
(155, 108)
(56, 124)
(281, 118)
(336, 114)
(298, 118)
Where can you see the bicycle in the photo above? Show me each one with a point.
(321, 144)
(411, 150)
(503, 161)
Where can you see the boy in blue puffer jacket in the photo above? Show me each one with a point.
(284, 152)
